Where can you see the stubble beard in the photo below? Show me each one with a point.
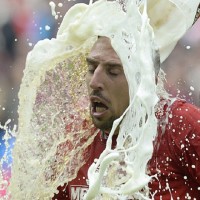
(104, 126)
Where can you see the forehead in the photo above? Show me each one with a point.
(103, 50)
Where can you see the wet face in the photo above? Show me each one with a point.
(107, 85)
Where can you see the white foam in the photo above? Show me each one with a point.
(192, 88)
(47, 28)
(53, 11)
(60, 5)
(47, 90)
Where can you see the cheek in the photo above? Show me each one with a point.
(126, 94)
(123, 88)
(87, 80)
(122, 95)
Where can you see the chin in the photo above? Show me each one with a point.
(103, 125)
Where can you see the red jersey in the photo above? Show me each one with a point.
(176, 156)
(76, 189)
(175, 160)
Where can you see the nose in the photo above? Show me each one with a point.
(96, 79)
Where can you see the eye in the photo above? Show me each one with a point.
(91, 68)
(114, 72)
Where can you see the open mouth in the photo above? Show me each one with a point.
(98, 107)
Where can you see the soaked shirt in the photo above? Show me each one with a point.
(175, 160)
(176, 156)
(76, 189)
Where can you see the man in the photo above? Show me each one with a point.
(53, 129)
(176, 156)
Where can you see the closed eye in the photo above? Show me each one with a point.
(92, 65)
(115, 70)
(91, 69)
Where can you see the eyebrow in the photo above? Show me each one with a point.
(91, 60)
(111, 63)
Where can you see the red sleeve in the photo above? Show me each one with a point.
(184, 122)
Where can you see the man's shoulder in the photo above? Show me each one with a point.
(182, 112)
(183, 123)
(173, 108)
(176, 152)
(181, 105)
(179, 119)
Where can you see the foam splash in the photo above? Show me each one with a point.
(53, 134)
(53, 11)
(6, 145)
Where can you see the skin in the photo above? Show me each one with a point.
(106, 83)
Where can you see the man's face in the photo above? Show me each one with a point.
(107, 84)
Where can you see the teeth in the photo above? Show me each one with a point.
(100, 109)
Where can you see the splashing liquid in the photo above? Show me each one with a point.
(6, 145)
(55, 128)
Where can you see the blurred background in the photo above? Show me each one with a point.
(182, 67)
(24, 22)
